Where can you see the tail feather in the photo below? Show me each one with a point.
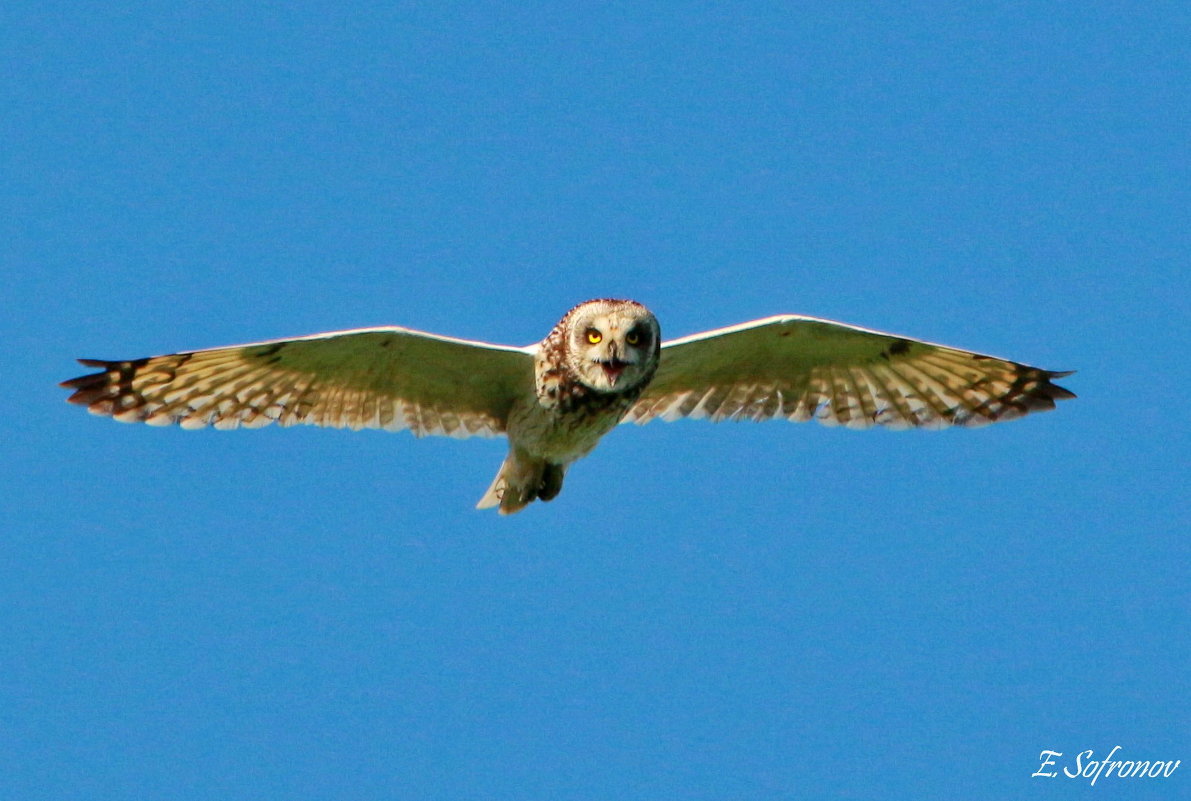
(521, 480)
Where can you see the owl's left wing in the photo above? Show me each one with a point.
(391, 378)
(802, 368)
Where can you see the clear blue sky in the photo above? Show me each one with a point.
(706, 612)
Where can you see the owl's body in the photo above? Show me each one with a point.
(604, 363)
(588, 372)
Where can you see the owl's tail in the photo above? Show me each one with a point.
(521, 480)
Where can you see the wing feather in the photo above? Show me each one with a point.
(390, 378)
(803, 368)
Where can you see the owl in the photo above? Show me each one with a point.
(603, 364)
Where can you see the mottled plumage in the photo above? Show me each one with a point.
(582, 389)
(602, 364)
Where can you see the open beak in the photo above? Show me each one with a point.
(612, 369)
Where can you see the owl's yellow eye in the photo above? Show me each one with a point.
(594, 336)
(632, 338)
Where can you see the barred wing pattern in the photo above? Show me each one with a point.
(390, 378)
(803, 368)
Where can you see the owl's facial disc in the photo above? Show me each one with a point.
(613, 345)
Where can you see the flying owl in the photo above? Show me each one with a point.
(604, 363)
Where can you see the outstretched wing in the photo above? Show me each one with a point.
(391, 378)
(802, 368)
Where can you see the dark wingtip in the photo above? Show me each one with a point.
(87, 386)
(1057, 392)
(81, 381)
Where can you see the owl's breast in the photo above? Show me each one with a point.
(563, 429)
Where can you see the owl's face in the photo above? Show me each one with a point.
(612, 345)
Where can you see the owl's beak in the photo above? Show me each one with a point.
(613, 366)
(612, 369)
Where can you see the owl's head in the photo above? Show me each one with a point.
(612, 345)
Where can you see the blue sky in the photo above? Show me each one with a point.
(712, 612)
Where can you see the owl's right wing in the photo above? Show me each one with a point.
(802, 368)
(390, 378)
